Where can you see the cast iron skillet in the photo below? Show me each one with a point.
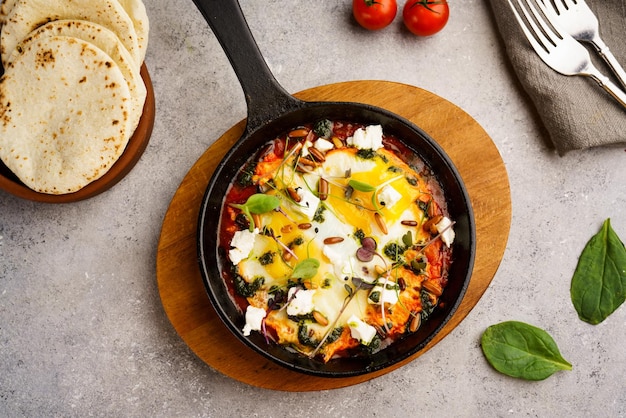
(271, 111)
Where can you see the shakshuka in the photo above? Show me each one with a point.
(335, 241)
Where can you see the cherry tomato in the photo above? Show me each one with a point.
(425, 17)
(374, 14)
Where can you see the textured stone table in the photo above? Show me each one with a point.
(82, 328)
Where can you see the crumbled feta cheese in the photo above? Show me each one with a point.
(301, 301)
(308, 202)
(448, 234)
(369, 138)
(305, 148)
(254, 319)
(242, 244)
(342, 265)
(383, 293)
(361, 331)
(388, 196)
(323, 145)
(336, 253)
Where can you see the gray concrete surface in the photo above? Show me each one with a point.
(82, 329)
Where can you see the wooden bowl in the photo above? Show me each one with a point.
(134, 149)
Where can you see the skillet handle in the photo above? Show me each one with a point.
(266, 99)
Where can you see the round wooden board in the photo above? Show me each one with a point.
(180, 284)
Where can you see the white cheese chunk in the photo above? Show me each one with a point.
(448, 233)
(323, 145)
(383, 293)
(308, 202)
(305, 148)
(369, 138)
(342, 264)
(242, 244)
(301, 301)
(254, 319)
(388, 196)
(361, 331)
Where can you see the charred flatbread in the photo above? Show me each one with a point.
(5, 9)
(27, 15)
(64, 107)
(108, 42)
(137, 12)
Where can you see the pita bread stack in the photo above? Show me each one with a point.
(72, 95)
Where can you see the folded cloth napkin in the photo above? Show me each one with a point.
(576, 112)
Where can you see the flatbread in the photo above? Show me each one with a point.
(108, 42)
(62, 125)
(5, 9)
(27, 15)
(137, 12)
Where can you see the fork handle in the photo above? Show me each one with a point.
(609, 86)
(607, 55)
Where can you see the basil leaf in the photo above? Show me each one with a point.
(598, 286)
(261, 203)
(361, 187)
(306, 269)
(520, 350)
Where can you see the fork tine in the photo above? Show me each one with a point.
(549, 12)
(546, 29)
(542, 36)
(539, 48)
(560, 6)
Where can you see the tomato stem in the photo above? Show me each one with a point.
(427, 3)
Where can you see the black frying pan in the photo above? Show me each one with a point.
(272, 111)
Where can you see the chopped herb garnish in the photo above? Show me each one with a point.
(298, 241)
(427, 304)
(323, 128)
(245, 178)
(412, 181)
(423, 206)
(301, 318)
(303, 336)
(267, 258)
(319, 214)
(366, 154)
(246, 289)
(394, 251)
(334, 335)
(373, 346)
(375, 296)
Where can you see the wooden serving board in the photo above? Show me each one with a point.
(180, 284)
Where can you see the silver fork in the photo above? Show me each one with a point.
(559, 50)
(577, 19)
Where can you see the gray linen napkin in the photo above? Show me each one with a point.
(576, 111)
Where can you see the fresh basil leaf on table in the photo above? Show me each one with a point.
(521, 350)
(598, 286)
